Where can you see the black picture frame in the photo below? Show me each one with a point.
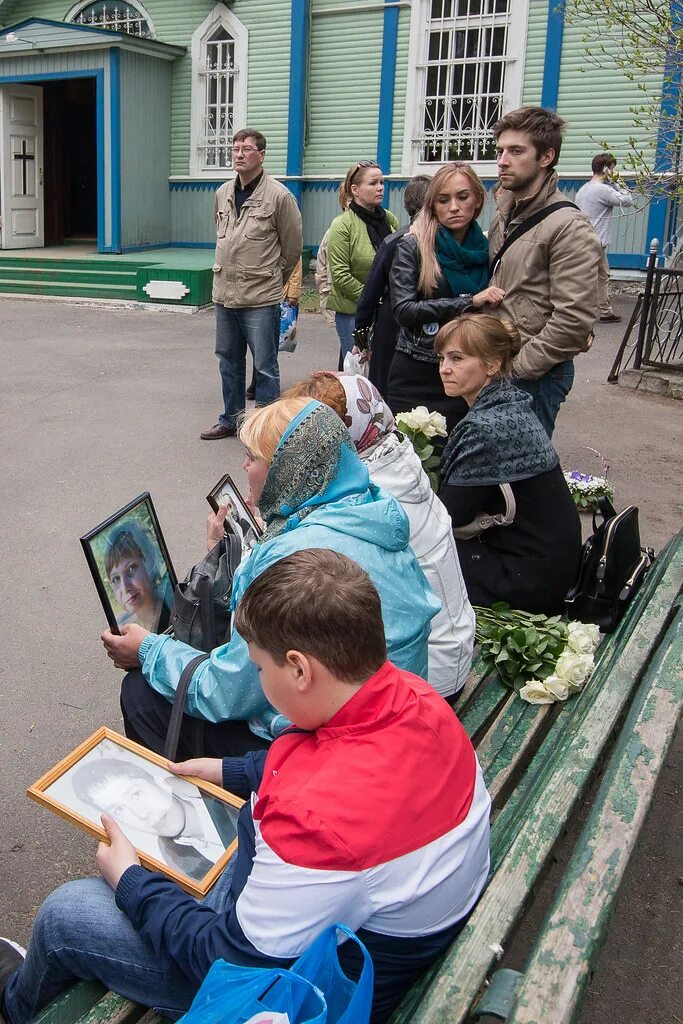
(145, 533)
(246, 528)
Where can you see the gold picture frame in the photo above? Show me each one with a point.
(85, 783)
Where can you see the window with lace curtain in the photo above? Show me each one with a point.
(114, 15)
(468, 58)
(219, 66)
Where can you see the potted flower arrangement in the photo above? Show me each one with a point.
(421, 427)
(586, 488)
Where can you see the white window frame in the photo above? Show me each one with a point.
(77, 8)
(417, 80)
(219, 16)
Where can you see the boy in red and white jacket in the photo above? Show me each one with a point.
(371, 811)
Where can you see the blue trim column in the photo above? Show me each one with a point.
(387, 85)
(298, 64)
(671, 90)
(115, 115)
(553, 54)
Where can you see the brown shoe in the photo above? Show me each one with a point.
(218, 431)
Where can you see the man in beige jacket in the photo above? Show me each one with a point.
(259, 241)
(549, 273)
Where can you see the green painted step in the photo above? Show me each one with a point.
(95, 291)
(47, 264)
(41, 275)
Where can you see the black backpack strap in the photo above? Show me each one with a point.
(173, 732)
(527, 225)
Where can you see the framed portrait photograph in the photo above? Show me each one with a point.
(181, 826)
(239, 519)
(131, 567)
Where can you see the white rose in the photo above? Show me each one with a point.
(438, 424)
(536, 692)
(583, 638)
(574, 668)
(557, 686)
(418, 418)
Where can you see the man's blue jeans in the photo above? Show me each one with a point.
(549, 392)
(256, 328)
(79, 933)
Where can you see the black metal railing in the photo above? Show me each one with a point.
(658, 315)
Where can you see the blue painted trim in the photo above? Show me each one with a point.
(194, 186)
(193, 245)
(115, 116)
(553, 54)
(387, 87)
(671, 89)
(98, 75)
(72, 26)
(627, 260)
(145, 248)
(298, 59)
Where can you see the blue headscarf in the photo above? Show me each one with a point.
(315, 463)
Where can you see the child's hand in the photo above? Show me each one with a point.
(215, 527)
(208, 768)
(123, 650)
(117, 856)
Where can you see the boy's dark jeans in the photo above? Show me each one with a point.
(549, 392)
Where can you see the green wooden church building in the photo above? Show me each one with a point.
(116, 117)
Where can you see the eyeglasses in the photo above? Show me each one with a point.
(245, 149)
(361, 165)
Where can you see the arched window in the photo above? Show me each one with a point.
(115, 15)
(219, 90)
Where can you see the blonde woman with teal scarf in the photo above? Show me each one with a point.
(440, 270)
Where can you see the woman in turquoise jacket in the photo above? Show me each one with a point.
(313, 492)
(352, 241)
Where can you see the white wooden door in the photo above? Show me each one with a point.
(21, 167)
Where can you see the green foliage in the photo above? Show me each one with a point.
(518, 645)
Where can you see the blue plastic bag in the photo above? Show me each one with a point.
(288, 318)
(314, 991)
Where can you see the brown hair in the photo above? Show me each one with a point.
(601, 161)
(324, 387)
(352, 178)
(250, 133)
(414, 195)
(321, 603)
(262, 429)
(544, 127)
(486, 337)
(426, 223)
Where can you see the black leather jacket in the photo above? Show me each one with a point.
(413, 311)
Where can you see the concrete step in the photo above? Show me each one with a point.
(97, 290)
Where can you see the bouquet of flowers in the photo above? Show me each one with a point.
(543, 658)
(421, 426)
(586, 489)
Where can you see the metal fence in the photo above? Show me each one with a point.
(658, 321)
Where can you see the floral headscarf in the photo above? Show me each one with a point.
(314, 464)
(368, 417)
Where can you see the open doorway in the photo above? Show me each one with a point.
(70, 156)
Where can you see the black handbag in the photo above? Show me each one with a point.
(613, 566)
(201, 618)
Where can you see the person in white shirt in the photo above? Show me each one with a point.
(596, 200)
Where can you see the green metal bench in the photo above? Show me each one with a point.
(538, 761)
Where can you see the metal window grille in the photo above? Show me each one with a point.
(463, 78)
(117, 17)
(219, 73)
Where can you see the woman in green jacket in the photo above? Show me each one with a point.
(354, 237)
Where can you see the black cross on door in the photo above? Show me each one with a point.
(24, 157)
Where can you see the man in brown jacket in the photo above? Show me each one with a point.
(259, 241)
(549, 273)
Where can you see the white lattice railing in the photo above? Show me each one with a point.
(463, 78)
(116, 17)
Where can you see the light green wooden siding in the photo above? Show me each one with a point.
(192, 215)
(145, 213)
(343, 87)
(596, 104)
(400, 90)
(535, 51)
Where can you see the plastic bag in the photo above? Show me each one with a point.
(314, 991)
(288, 318)
(357, 362)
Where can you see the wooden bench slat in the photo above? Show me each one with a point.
(72, 1004)
(476, 679)
(560, 965)
(573, 746)
(512, 747)
(484, 705)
